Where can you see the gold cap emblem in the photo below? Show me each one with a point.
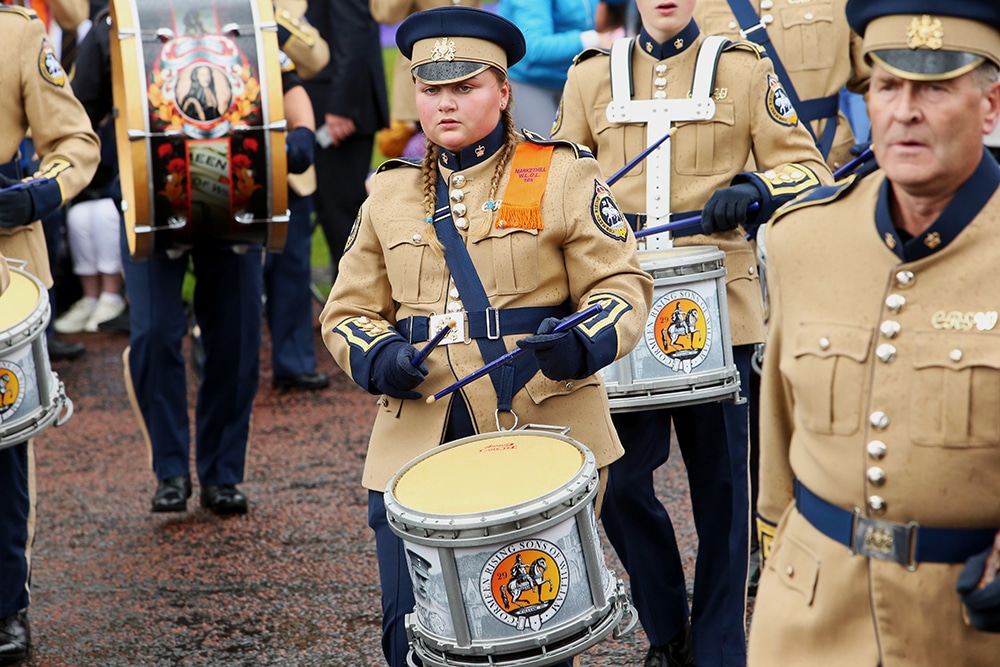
(480, 151)
(444, 49)
(678, 43)
(932, 240)
(890, 241)
(925, 31)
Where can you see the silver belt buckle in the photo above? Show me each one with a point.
(885, 540)
(458, 327)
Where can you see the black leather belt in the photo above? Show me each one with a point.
(904, 543)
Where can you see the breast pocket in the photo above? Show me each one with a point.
(617, 143)
(507, 260)
(955, 400)
(705, 148)
(828, 372)
(807, 33)
(416, 271)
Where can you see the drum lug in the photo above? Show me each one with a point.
(561, 430)
(165, 34)
(232, 29)
(67, 411)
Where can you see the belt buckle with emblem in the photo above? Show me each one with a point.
(458, 322)
(885, 540)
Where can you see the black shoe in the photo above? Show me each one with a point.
(15, 638)
(118, 324)
(308, 381)
(172, 494)
(676, 653)
(61, 350)
(223, 499)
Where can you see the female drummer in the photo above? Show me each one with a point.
(499, 233)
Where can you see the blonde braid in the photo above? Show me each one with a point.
(429, 174)
(506, 151)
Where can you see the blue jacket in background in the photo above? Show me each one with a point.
(552, 30)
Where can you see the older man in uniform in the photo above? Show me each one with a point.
(880, 438)
(34, 93)
(619, 105)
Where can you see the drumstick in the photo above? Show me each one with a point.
(853, 164)
(640, 157)
(21, 185)
(432, 343)
(564, 325)
(683, 222)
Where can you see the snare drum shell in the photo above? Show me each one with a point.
(462, 565)
(31, 396)
(186, 180)
(685, 356)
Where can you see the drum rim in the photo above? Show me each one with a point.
(37, 317)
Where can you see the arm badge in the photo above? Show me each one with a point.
(50, 67)
(779, 104)
(606, 214)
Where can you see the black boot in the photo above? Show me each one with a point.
(15, 638)
(675, 653)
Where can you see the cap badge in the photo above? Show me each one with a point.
(925, 31)
(444, 49)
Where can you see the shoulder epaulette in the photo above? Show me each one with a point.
(28, 14)
(580, 151)
(816, 196)
(590, 53)
(746, 45)
(392, 163)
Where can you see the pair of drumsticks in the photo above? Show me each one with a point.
(564, 325)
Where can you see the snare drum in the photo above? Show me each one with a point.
(32, 397)
(503, 551)
(200, 125)
(686, 353)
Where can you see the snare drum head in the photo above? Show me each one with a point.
(18, 301)
(488, 473)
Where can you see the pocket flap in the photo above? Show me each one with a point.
(794, 16)
(502, 232)
(405, 234)
(796, 566)
(540, 387)
(821, 339)
(957, 351)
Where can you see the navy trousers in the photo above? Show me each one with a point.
(713, 439)
(15, 533)
(289, 310)
(227, 307)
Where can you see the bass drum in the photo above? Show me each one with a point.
(199, 123)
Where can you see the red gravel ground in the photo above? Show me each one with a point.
(293, 583)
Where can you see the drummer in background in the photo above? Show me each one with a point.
(39, 97)
(403, 120)
(880, 445)
(752, 120)
(288, 274)
(521, 254)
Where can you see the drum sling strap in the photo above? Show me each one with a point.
(510, 377)
(753, 28)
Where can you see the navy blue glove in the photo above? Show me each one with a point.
(727, 208)
(393, 372)
(16, 208)
(982, 605)
(301, 146)
(561, 356)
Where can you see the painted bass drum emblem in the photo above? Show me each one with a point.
(525, 583)
(679, 333)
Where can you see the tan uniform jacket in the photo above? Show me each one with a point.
(832, 363)
(819, 50)
(404, 106)
(304, 46)
(705, 155)
(389, 272)
(38, 96)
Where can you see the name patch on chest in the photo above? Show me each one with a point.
(955, 320)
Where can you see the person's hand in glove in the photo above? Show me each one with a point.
(979, 587)
(16, 207)
(393, 372)
(561, 356)
(301, 146)
(727, 208)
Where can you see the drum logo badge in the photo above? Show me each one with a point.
(679, 333)
(525, 583)
(11, 383)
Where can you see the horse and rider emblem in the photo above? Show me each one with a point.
(525, 583)
(606, 214)
(679, 332)
(11, 389)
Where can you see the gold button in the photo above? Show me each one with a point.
(877, 449)
(890, 328)
(459, 210)
(457, 195)
(461, 223)
(458, 180)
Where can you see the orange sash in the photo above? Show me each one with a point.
(522, 200)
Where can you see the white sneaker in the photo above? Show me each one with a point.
(75, 319)
(108, 307)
